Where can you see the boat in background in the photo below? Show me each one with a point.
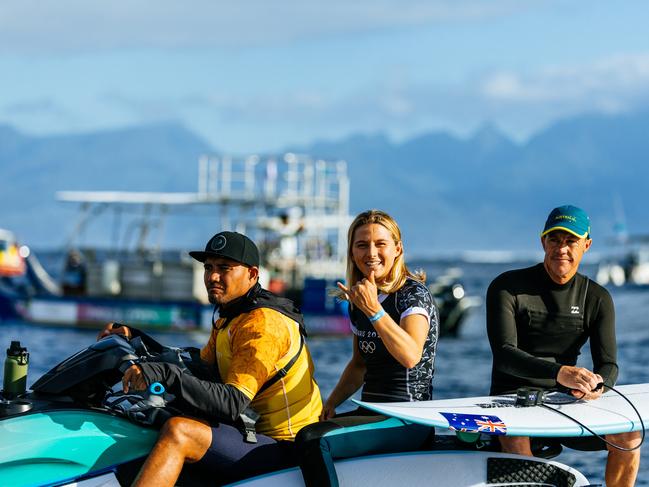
(452, 301)
(628, 264)
(295, 207)
(12, 257)
(628, 267)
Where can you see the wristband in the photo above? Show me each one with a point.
(379, 314)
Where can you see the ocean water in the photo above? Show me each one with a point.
(462, 365)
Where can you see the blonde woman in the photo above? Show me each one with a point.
(395, 325)
(393, 318)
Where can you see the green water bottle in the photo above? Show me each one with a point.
(15, 378)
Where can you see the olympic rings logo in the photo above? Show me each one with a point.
(367, 347)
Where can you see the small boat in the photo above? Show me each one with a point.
(295, 207)
(12, 257)
(629, 269)
(63, 433)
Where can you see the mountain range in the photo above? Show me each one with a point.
(448, 193)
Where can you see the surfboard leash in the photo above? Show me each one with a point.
(618, 447)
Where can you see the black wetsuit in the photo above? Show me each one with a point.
(536, 325)
(386, 380)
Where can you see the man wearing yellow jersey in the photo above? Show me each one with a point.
(256, 336)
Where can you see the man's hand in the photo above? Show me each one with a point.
(582, 381)
(115, 329)
(363, 295)
(133, 379)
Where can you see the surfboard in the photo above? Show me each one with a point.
(497, 415)
(441, 468)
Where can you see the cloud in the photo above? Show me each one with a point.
(142, 109)
(32, 26)
(37, 109)
(269, 107)
(41, 115)
(622, 77)
(521, 103)
(34, 106)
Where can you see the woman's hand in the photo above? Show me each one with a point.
(350, 381)
(363, 295)
(115, 329)
(328, 411)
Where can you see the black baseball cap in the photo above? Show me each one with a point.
(231, 245)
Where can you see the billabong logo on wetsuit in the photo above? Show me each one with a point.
(574, 310)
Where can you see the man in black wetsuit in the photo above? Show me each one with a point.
(538, 319)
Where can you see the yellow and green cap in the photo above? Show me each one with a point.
(569, 219)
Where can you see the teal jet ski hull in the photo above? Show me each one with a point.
(53, 447)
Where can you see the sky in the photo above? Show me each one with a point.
(254, 75)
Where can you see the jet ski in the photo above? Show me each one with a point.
(60, 433)
(73, 429)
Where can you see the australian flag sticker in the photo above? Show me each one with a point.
(476, 423)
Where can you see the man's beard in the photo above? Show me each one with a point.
(215, 300)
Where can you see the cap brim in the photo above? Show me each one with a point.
(200, 256)
(565, 229)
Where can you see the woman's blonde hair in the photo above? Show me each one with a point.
(397, 276)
